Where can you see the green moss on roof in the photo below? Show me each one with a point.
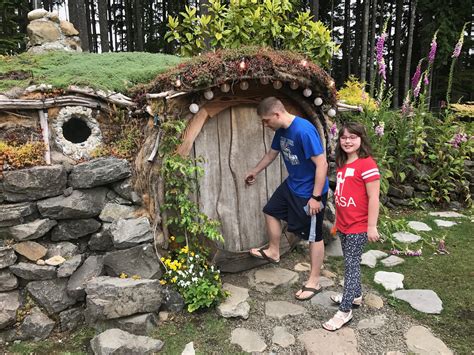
(108, 71)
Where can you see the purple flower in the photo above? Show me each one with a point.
(457, 50)
(417, 89)
(394, 252)
(379, 130)
(333, 130)
(380, 60)
(417, 75)
(426, 81)
(458, 139)
(434, 45)
(407, 108)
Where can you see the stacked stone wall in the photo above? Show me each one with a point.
(76, 246)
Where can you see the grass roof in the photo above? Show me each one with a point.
(118, 72)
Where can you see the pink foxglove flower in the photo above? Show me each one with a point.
(458, 139)
(417, 76)
(457, 49)
(379, 130)
(434, 45)
(380, 60)
(333, 131)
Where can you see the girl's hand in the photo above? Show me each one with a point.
(373, 234)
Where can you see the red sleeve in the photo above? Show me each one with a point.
(369, 170)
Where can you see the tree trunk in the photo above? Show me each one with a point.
(389, 44)
(358, 38)
(93, 23)
(103, 26)
(346, 42)
(128, 18)
(409, 48)
(89, 25)
(396, 54)
(372, 45)
(77, 9)
(139, 25)
(314, 8)
(365, 38)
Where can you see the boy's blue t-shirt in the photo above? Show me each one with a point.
(298, 143)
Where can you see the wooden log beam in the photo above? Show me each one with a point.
(43, 115)
(112, 97)
(69, 100)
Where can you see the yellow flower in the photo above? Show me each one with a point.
(216, 277)
(172, 237)
(162, 258)
(192, 253)
(163, 282)
(123, 275)
(184, 250)
(174, 279)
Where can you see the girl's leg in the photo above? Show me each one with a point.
(354, 246)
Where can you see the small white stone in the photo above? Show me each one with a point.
(392, 260)
(55, 260)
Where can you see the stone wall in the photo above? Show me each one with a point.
(75, 246)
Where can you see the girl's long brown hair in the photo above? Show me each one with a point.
(365, 149)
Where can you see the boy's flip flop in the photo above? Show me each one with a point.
(314, 291)
(263, 255)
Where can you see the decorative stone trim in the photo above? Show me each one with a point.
(77, 150)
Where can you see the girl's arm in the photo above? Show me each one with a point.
(373, 191)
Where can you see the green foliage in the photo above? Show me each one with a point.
(180, 175)
(272, 23)
(11, 40)
(353, 93)
(108, 71)
(188, 271)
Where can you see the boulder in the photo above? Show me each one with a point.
(7, 257)
(42, 31)
(28, 271)
(30, 250)
(64, 249)
(71, 319)
(102, 240)
(125, 189)
(110, 297)
(36, 326)
(51, 294)
(70, 265)
(114, 211)
(92, 267)
(8, 281)
(34, 183)
(80, 204)
(97, 172)
(68, 28)
(116, 341)
(172, 301)
(9, 304)
(127, 233)
(74, 229)
(139, 324)
(32, 230)
(37, 14)
(140, 260)
(16, 213)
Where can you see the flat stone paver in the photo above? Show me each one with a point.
(419, 226)
(420, 340)
(267, 280)
(426, 301)
(282, 309)
(322, 342)
(369, 258)
(333, 248)
(248, 340)
(325, 282)
(282, 337)
(447, 214)
(389, 280)
(372, 322)
(236, 304)
(373, 301)
(323, 300)
(302, 267)
(443, 223)
(406, 237)
(392, 261)
(189, 349)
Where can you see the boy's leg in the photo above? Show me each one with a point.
(316, 254)
(274, 235)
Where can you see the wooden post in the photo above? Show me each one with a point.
(43, 115)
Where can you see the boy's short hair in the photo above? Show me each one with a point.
(270, 105)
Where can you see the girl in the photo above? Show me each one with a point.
(357, 209)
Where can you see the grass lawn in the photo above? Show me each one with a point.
(450, 276)
(112, 71)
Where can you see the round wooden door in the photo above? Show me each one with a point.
(232, 143)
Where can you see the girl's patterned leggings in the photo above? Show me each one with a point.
(352, 248)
